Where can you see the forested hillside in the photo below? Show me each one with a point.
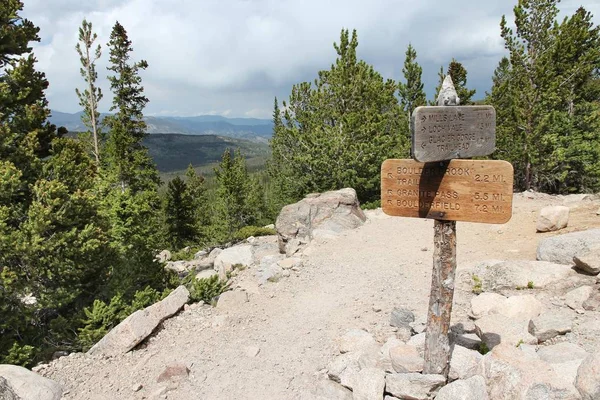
(82, 218)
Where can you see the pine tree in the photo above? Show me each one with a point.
(411, 92)
(336, 133)
(54, 250)
(238, 201)
(196, 189)
(179, 211)
(553, 123)
(126, 157)
(458, 73)
(92, 94)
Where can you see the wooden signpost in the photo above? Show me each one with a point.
(438, 186)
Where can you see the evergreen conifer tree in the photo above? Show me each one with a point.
(179, 211)
(336, 133)
(91, 95)
(411, 92)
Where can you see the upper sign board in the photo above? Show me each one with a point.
(458, 190)
(444, 133)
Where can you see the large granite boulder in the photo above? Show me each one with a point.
(18, 383)
(228, 258)
(588, 377)
(512, 375)
(317, 215)
(135, 328)
(562, 248)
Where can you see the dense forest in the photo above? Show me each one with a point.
(82, 218)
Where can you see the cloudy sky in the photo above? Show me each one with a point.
(232, 57)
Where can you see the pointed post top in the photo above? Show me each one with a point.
(448, 95)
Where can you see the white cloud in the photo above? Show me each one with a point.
(233, 56)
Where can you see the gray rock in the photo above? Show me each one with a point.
(177, 266)
(494, 329)
(413, 386)
(206, 274)
(200, 254)
(174, 371)
(468, 340)
(565, 358)
(418, 341)
(18, 383)
(135, 328)
(291, 262)
(406, 358)
(469, 389)
(355, 339)
(343, 369)
(369, 384)
(576, 297)
(401, 317)
(510, 374)
(551, 324)
(332, 212)
(562, 248)
(484, 304)
(164, 256)
(588, 261)
(588, 377)
(521, 307)
(328, 390)
(497, 276)
(232, 300)
(552, 218)
(228, 258)
(463, 363)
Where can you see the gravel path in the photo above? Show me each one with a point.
(353, 281)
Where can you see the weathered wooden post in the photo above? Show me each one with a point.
(437, 185)
(437, 343)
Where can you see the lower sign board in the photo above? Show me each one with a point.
(456, 190)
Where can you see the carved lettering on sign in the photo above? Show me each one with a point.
(457, 190)
(444, 133)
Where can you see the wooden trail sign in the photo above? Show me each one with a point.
(443, 133)
(438, 186)
(459, 190)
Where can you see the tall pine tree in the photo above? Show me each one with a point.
(411, 93)
(336, 132)
(91, 95)
(552, 129)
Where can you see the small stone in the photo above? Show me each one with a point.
(369, 384)
(552, 218)
(404, 333)
(406, 358)
(173, 371)
(463, 363)
(401, 317)
(588, 377)
(137, 387)
(251, 351)
(355, 339)
(550, 325)
(233, 299)
(469, 389)
(576, 297)
(329, 390)
(413, 386)
(497, 328)
(589, 261)
(418, 341)
(484, 304)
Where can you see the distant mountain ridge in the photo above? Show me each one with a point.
(254, 129)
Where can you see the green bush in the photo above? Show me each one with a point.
(102, 317)
(19, 355)
(250, 230)
(206, 289)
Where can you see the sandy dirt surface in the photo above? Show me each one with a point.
(353, 281)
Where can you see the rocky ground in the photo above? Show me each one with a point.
(277, 339)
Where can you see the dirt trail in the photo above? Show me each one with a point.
(353, 281)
